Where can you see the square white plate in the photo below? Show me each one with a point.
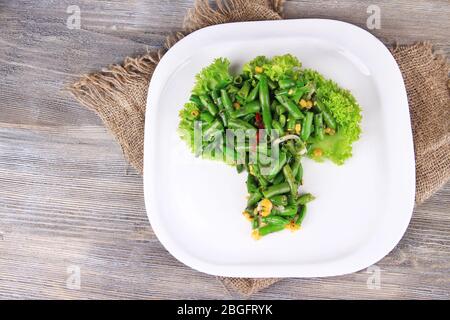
(362, 208)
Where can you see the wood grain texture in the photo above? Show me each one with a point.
(67, 197)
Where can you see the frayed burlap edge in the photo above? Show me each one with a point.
(108, 94)
(424, 73)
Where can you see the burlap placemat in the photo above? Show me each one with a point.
(118, 95)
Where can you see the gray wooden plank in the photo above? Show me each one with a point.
(67, 197)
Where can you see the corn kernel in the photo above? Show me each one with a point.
(247, 216)
(330, 131)
(292, 226)
(265, 207)
(255, 234)
(309, 104)
(317, 152)
(259, 69)
(237, 105)
(298, 128)
(303, 103)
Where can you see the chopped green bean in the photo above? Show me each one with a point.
(287, 171)
(275, 220)
(285, 211)
(249, 108)
(279, 200)
(306, 126)
(276, 190)
(226, 101)
(253, 93)
(305, 198)
(286, 83)
(209, 105)
(254, 198)
(290, 107)
(270, 228)
(265, 102)
(318, 126)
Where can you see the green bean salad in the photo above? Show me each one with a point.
(264, 121)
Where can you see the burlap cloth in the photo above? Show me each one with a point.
(118, 95)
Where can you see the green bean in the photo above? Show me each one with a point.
(279, 109)
(327, 117)
(277, 126)
(301, 215)
(239, 124)
(210, 106)
(290, 107)
(251, 107)
(215, 126)
(329, 120)
(287, 171)
(281, 161)
(276, 190)
(243, 92)
(253, 93)
(240, 168)
(270, 228)
(226, 101)
(237, 80)
(282, 92)
(298, 94)
(289, 146)
(223, 116)
(229, 154)
(262, 181)
(288, 211)
(318, 126)
(207, 117)
(306, 126)
(282, 120)
(305, 198)
(273, 106)
(265, 102)
(286, 83)
(296, 166)
(248, 118)
(299, 175)
(232, 89)
(251, 184)
(255, 223)
(216, 98)
(272, 85)
(279, 200)
(195, 99)
(263, 159)
(279, 178)
(275, 220)
(254, 198)
(290, 125)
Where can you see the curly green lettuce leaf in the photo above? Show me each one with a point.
(249, 68)
(285, 66)
(188, 115)
(213, 77)
(345, 111)
(277, 68)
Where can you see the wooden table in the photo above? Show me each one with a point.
(68, 199)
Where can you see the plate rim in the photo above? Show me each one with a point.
(289, 270)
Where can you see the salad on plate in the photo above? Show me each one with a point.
(264, 121)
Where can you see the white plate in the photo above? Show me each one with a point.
(362, 208)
